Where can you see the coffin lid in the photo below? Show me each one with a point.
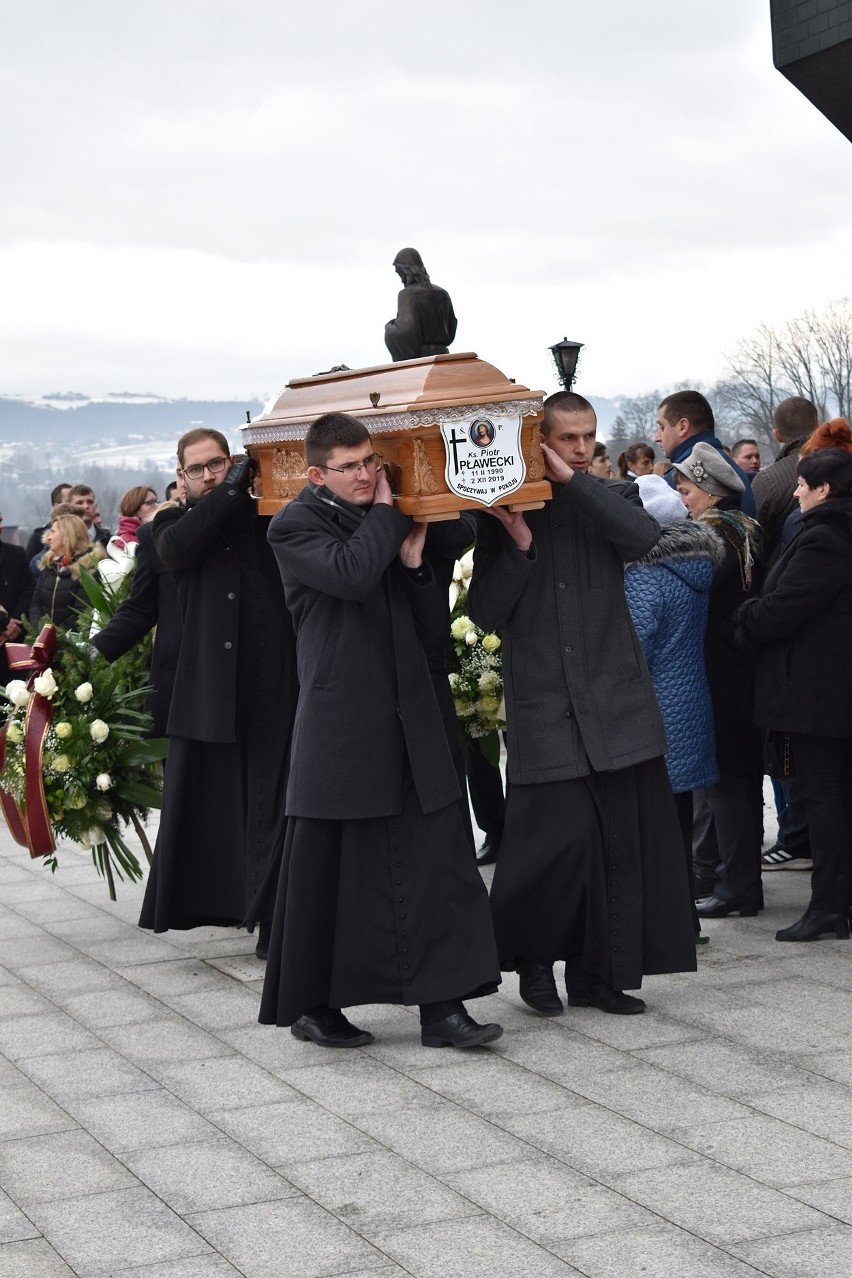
(389, 397)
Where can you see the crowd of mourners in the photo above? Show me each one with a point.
(670, 634)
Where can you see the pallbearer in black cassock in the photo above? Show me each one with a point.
(379, 899)
(591, 867)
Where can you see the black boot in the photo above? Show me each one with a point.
(264, 931)
(538, 988)
(813, 925)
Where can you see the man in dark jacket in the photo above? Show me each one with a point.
(153, 601)
(16, 591)
(685, 419)
(794, 421)
(379, 899)
(591, 867)
(35, 545)
(222, 824)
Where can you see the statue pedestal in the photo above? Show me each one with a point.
(462, 435)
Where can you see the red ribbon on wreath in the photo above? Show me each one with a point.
(31, 828)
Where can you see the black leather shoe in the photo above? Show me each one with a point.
(538, 989)
(811, 926)
(330, 1028)
(458, 1030)
(487, 854)
(711, 907)
(264, 931)
(602, 996)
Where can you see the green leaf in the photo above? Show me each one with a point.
(140, 795)
(489, 746)
(147, 751)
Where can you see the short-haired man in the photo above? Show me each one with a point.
(83, 499)
(746, 453)
(379, 899)
(591, 868)
(35, 545)
(794, 421)
(221, 827)
(685, 419)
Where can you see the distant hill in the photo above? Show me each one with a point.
(81, 425)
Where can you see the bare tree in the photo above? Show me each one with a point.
(637, 419)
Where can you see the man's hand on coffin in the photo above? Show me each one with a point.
(242, 472)
(383, 495)
(554, 467)
(411, 550)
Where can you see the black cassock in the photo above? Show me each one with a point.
(222, 824)
(379, 899)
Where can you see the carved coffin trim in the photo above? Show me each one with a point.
(288, 472)
(424, 476)
(535, 465)
(384, 423)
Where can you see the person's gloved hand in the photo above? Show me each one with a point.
(242, 473)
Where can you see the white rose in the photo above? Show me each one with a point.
(17, 692)
(460, 627)
(83, 693)
(62, 763)
(45, 685)
(471, 639)
(91, 838)
(99, 731)
(63, 730)
(103, 781)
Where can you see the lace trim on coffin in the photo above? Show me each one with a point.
(384, 423)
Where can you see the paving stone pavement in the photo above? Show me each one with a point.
(149, 1127)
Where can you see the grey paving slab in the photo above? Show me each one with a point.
(140, 1120)
(67, 1164)
(817, 1106)
(32, 1259)
(60, 981)
(717, 1204)
(492, 1086)
(273, 1048)
(289, 1237)
(90, 931)
(659, 1100)
(11, 1075)
(769, 1150)
(205, 1175)
(102, 1233)
(355, 1083)
(14, 1225)
(378, 1191)
(224, 1082)
(285, 1133)
(767, 1029)
(440, 1137)
(169, 1038)
(211, 1266)
(816, 1254)
(227, 1006)
(471, 1248)
(26, 1111)
(50, 906)
(833, 1197)
(129, 951)
(547, 1201)
(100, 1072)
(179, 976)
(835, 1065)
(7, 977)
(15, 926)
(827, 1004)
(17, 999)
(43, 1035)
(99, 1009)
(30, 950)
(629, 1033)
(725, 1068)
(561, 1054)
(596, 1141)
(663, 1252)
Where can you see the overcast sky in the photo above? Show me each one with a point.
(204, 197)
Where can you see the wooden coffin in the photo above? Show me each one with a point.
(458, 430)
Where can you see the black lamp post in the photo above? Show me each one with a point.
(565, 355)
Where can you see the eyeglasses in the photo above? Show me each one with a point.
(151, 501)
(215, 467)
(353, 469)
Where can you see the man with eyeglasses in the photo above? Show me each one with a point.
(222, 822)
(379, 899)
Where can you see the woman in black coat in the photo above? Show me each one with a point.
(802, 625)
(59, 593)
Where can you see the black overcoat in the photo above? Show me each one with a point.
(577, 688)
(222, 823)
(16, 591)
(801, 627)
(152, 601)
(366, 697)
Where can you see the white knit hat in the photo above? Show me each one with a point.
(660, 499)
